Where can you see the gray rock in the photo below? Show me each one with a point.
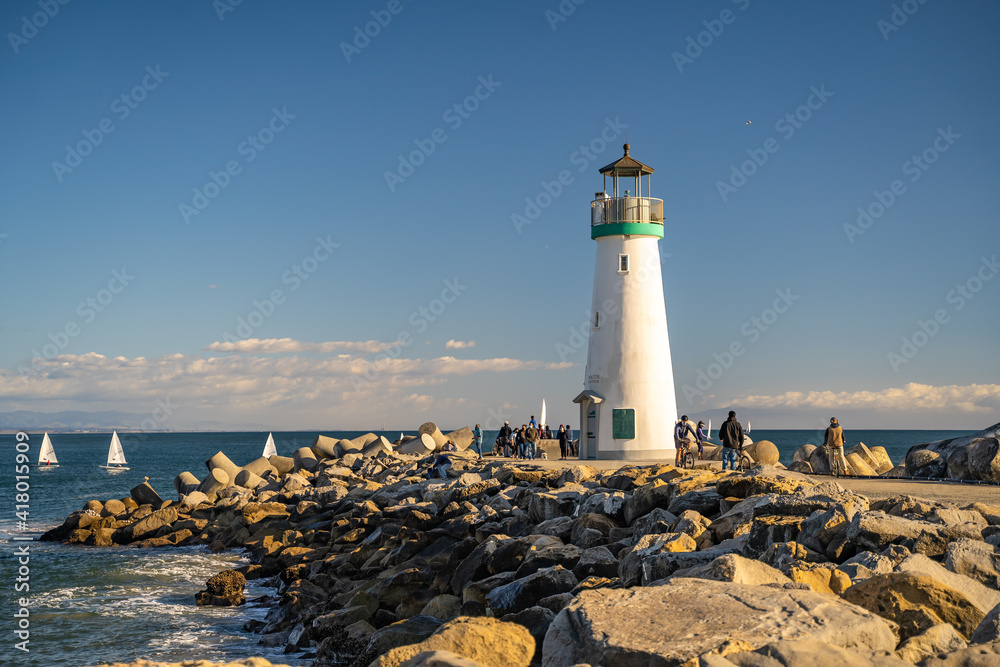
(596, 562)
(736, 569)
(628, 627)
(975, 559)
(988, 629)
(525, 592)
(537, 620)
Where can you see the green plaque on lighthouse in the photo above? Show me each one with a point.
(623, 424)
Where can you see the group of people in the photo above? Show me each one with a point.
(522, 443)
(731, 435)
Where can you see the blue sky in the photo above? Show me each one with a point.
(218, 156)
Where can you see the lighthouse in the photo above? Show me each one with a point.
(628, 405)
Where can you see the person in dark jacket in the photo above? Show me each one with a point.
(505, 438)
(833, 441)
(563, 444)
(731, 435)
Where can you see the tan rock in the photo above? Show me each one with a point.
(820, 579)
(483, 639)
(737, 569)
(936, 639)
(916, 603)
(766, 452)
(682, 619)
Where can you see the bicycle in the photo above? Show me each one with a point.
(745, 461)
(685, 456)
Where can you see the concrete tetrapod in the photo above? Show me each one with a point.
(431, 429)
(215, 481)
(222, 462)
(421, 446)
(185, 483)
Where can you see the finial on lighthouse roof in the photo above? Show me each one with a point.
(626, 147)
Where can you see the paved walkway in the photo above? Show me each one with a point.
(957, 493)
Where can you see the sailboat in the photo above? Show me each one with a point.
(543, 420)
(748, 426)
(269, 448)
(47, 454)
(116, 457)
(708, 435)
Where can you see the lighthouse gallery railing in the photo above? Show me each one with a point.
(626, 209)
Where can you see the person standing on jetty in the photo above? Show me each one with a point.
(570, 447)
(563, 445)
(519, 443)
(505, 435)
(477, 440)
(531, 439)
(834, 443)
(702, 437)
(731, 435)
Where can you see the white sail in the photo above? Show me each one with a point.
(748, 426)
(708, 435)
(269, 448)
(544, 421)
(116, 456)
(47, 454)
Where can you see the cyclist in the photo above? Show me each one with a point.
(684, 435)
(834, 443)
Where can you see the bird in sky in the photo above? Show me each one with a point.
(749, 122)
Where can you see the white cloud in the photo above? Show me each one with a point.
(913, 397)
(459, 344)
(281, 345)
(291, 390)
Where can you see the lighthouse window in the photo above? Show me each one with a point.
(622, 263)
(597, 319)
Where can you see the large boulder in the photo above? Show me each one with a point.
(983, 597)
(525, 592)
(916, 603)
(485, 640)
(975, 456)
(736, 569)
(936, 639)
(223, 590)
(680, 620)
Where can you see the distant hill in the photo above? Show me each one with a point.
(108, 420)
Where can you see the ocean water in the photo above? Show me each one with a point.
(90, 605)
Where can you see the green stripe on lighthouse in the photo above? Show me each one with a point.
(627, 229)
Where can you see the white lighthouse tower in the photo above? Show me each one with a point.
(628, 406)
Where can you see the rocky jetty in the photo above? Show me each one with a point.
(970, 457)
(506, 563)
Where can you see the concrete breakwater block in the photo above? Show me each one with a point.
(283, 464)
(144, 494)
(305, 459)
(215, 481)
(248, 480)
(362, 440)
(462, 437)
(185, 483)
(222, 462)
(377, 446)
(260, 467)
(431, 429)
(325, 447)
(421, 446)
